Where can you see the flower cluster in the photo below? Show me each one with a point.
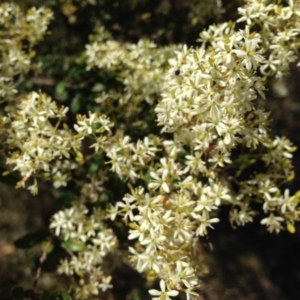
(42, 147)
(279, 27)
(144, 58)
(140, 68)
(22, 32)
(210, 108)
(127, 159)
(37, 144)
(212, 133)
(92, 241)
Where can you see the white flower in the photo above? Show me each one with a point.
(163, 294)
(273, 223)
(105, 284)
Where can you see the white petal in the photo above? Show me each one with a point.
(165, 187)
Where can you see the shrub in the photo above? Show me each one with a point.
(173, 134)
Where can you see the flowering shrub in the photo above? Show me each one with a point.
(175, 177)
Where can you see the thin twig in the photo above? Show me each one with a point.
(42, 260)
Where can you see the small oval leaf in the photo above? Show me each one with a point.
(31, 239)
(290, 227)
(75, 245)
(65, 296)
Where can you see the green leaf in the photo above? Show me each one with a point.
(106, 16)
(31, 239)
(161, 31)
(290, 227)
(147, 177)
(98, 87)
(75, 245)
(66, 198)
(61, 91)
(49, 247)
(136, 295)
(64, 296)
(52, 3)
(93, 168)
(75, 104)
(96, 163)
(60, 87)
